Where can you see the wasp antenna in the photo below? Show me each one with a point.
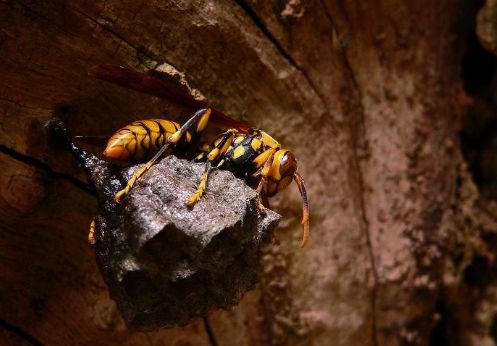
(305, 208)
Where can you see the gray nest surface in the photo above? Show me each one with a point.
(166, 264)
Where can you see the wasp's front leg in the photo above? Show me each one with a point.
(263, 162)
(200, 119)
(195, 197)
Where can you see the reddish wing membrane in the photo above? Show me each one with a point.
(163, 88)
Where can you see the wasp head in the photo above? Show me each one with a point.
(283, 171)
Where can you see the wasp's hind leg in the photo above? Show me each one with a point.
(200, 119)
(195, 197)
(214, 160)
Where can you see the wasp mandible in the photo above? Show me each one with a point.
(249, 153)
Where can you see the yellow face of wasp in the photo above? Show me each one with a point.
(282, 171)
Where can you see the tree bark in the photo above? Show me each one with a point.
(369, 96)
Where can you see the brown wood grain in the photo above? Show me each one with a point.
(366, 93)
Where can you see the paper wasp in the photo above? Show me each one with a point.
(251, 154)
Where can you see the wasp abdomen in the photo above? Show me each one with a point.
(140, 139)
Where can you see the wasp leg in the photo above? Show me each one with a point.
(265, 202)
(200, 119)
(305, 208)
(205, 149)
(91, 236)
(195, 197)
(264, 174)
(221, 146)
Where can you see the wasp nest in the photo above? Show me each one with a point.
(164, 263)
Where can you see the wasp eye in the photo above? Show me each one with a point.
(288, 164)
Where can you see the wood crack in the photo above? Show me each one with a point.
(140, 51)
(32, 161)
(354, 130)
(357, 130)
(19, 332)
(362, 202)
(267, 33)
(210, 332)
(362, 191)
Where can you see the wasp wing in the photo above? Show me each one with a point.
(167, 88)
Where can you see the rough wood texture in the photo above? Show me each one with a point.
(367, 93)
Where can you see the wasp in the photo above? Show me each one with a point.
(249, 153)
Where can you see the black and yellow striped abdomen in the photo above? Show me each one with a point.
(140, 139)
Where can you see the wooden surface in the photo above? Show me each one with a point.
(366, 93)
